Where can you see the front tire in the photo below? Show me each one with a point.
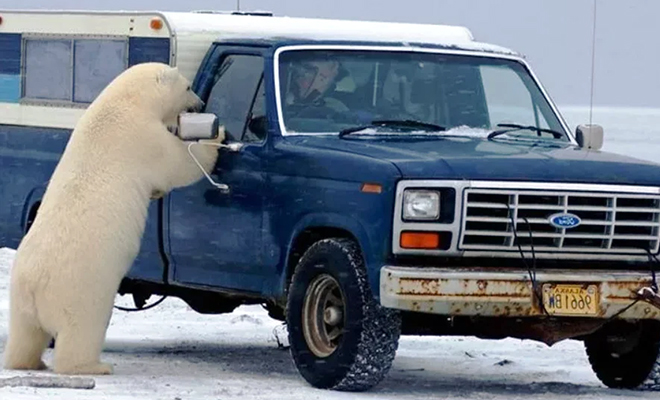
(626, 356)
(340, 337)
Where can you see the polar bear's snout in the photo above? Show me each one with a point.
(195, 104)
(199, 106)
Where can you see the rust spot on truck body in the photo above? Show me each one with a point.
(463, 287)
(512, 297)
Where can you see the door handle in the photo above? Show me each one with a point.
(234, 147)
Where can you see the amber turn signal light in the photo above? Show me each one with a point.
(420, 240)
(156, 23)
(371, 188)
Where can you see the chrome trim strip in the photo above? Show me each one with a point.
(587, 187)
(590, 256)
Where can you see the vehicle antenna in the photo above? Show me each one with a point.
(593, 61)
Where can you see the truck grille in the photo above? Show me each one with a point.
(610, 222)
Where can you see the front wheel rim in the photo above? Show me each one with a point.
(323, 315)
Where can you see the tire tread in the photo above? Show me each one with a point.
(381, 327)
(638, 369)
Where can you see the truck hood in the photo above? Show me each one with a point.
(466, 158)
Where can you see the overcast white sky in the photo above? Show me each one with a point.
(555, 35)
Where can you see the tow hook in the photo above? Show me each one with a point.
(650, 295)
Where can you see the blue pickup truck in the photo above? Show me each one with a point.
(380, 180)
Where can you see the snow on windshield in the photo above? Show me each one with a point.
(462, 130)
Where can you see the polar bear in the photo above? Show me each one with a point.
(69, 265)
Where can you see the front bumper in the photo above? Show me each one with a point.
(506, 292)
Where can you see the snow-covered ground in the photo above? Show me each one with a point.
(171, 352)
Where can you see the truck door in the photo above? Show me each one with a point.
(215, 238)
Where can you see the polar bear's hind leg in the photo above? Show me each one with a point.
(78, 348)
(26, 344)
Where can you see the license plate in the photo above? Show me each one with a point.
(571, 299)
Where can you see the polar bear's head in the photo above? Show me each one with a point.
(157, 89)
(176, 93)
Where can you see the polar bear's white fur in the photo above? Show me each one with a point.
(88, 230)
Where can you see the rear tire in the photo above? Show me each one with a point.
(340, 337)
(626, 356)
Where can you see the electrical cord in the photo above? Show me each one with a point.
(154, 304)
(530, 270)
(653, 259)
(654, 287)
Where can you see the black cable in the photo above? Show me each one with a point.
(652, 259)
(654, 287)
(626, 308)
(531, 244)
(531, 271)
(539, 295)
(142, 308)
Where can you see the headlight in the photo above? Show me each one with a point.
(421, 205)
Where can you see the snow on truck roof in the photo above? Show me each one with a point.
(229, 25)
(275, 27)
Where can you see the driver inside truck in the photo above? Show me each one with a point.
(313, 82)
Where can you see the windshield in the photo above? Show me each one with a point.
(327, 91)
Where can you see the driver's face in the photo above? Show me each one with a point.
(315, 76)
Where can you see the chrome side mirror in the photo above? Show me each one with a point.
(589, 137)
(197, 126)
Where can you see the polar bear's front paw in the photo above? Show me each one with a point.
(26, 365)
(103, 369)
(89, 369)
(221, 134)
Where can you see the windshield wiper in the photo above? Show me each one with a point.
(404, 123)
(515, 127)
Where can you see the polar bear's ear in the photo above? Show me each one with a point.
(168, 76)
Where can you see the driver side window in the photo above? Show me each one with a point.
(255, 130)
(234, 89)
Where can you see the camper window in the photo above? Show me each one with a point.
(96, 63)
(48, 69)
(71, 70)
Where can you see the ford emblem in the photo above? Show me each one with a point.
(564, 220)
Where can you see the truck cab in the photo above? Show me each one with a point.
(381, 180)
